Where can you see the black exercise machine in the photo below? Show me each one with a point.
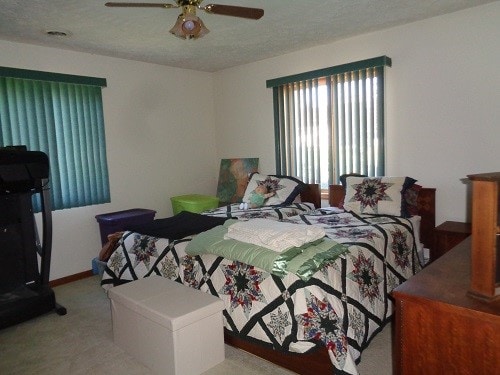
(24, 261)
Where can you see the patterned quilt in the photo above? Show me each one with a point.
(267, 212)
(341, 307)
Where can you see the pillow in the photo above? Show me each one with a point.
(286, 188)
(343, 183)
(377, 195)
(343, 178)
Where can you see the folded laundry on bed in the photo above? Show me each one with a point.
(178, 226)
(274, 235)
(302, 261)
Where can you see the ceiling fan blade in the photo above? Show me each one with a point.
(142, 5)
(235, 11)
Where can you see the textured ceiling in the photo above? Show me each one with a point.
(143, 33)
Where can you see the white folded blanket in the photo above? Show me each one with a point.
(274, 235)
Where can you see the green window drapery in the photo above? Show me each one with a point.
(61, 115)
(329, 122)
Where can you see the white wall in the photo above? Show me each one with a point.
(160, 141)
(442, 100)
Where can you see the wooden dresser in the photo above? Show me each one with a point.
(441, 330)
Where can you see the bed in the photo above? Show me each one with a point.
(313, 324)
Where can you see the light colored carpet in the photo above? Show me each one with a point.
(81, 342)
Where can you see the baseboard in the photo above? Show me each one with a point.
(71, 278)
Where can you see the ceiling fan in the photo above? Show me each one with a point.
(189, 25)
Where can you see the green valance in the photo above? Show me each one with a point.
(51, 77)
(325, 72)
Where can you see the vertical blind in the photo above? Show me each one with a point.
(299, 129)
(359, 121)
(330, 121)
(61, 115)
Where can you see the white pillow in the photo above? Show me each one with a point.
(286, 188)
(374, 195)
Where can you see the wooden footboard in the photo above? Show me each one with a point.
(314, 362)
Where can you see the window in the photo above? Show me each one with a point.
(330, 122)
(61, 115)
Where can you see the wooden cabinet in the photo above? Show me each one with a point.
(439, 328)
(447, 235)
(485, 255)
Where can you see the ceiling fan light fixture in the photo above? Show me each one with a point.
(189, 25)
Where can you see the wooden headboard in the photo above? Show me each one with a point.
(426, 204)
(311, 193)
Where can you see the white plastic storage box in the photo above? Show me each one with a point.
(118, 221)
(169, 327)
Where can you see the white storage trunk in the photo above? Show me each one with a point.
(171, 328)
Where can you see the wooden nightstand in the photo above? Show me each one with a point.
(447, 235)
